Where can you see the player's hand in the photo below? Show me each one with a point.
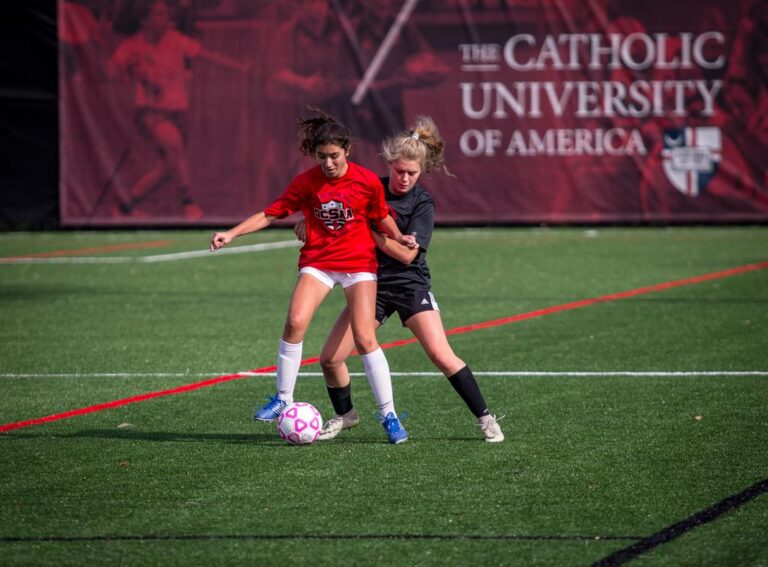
(409, 240)
(300, 230)
(219, 240)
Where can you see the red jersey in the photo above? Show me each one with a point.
(338, 214)
(160, 69)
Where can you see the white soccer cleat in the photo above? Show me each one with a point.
(337, 424)
(490, 428)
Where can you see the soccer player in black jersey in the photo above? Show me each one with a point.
(404, 283)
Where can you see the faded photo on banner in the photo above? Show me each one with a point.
(183, 112)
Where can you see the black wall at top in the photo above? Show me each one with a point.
(29, 160)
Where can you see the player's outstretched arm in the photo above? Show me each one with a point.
(225, 61)
(251, 224)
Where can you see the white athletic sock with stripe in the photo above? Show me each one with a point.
(288, 362)
(377, 372)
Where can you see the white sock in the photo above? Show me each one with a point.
(377, 372)
(288, 362)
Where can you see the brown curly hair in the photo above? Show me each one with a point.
(320, 130)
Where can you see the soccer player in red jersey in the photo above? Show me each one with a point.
(339, 199)
(156, 60)
(404, 284)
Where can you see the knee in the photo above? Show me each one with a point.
(295, 328)
(331, 363)
(168, 136)
(445, 361)
(438, 359)
(366, 343)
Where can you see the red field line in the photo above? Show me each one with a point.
(122, 402)
(587, 302)
(468, 328)
(93, 250)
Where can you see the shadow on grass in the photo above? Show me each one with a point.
(176, 437)
(265, 439)
(256, 438)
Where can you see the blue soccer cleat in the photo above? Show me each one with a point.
(270, 410)
(395, 432)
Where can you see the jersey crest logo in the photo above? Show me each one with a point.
(334, 214)
(691, 157)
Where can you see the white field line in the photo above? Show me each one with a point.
(154, 257)
(513, 373)
(533, 373)
(222, 251)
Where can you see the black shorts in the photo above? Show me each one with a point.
(407, 303)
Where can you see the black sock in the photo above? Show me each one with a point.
(341, 398)
(466, 386)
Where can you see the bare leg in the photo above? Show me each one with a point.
(307, 297)
(150, 181)
(337, 348)
(427, 327)
(172, 163)
(167, 138)
(361, 300)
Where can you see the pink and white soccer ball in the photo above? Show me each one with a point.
(299, 423)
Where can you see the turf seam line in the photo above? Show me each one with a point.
(691, 522)
(465, 329)
(279, 537)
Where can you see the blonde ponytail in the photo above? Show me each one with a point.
(422, 143)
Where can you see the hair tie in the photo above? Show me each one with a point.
(415, 135)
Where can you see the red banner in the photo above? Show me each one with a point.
(553, 111)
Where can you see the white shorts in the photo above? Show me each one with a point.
(342, 278)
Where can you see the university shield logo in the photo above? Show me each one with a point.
(690, 157)
(334, 214)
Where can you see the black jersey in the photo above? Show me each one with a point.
(414, 214)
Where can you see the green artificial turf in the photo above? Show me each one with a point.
(591, 464)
